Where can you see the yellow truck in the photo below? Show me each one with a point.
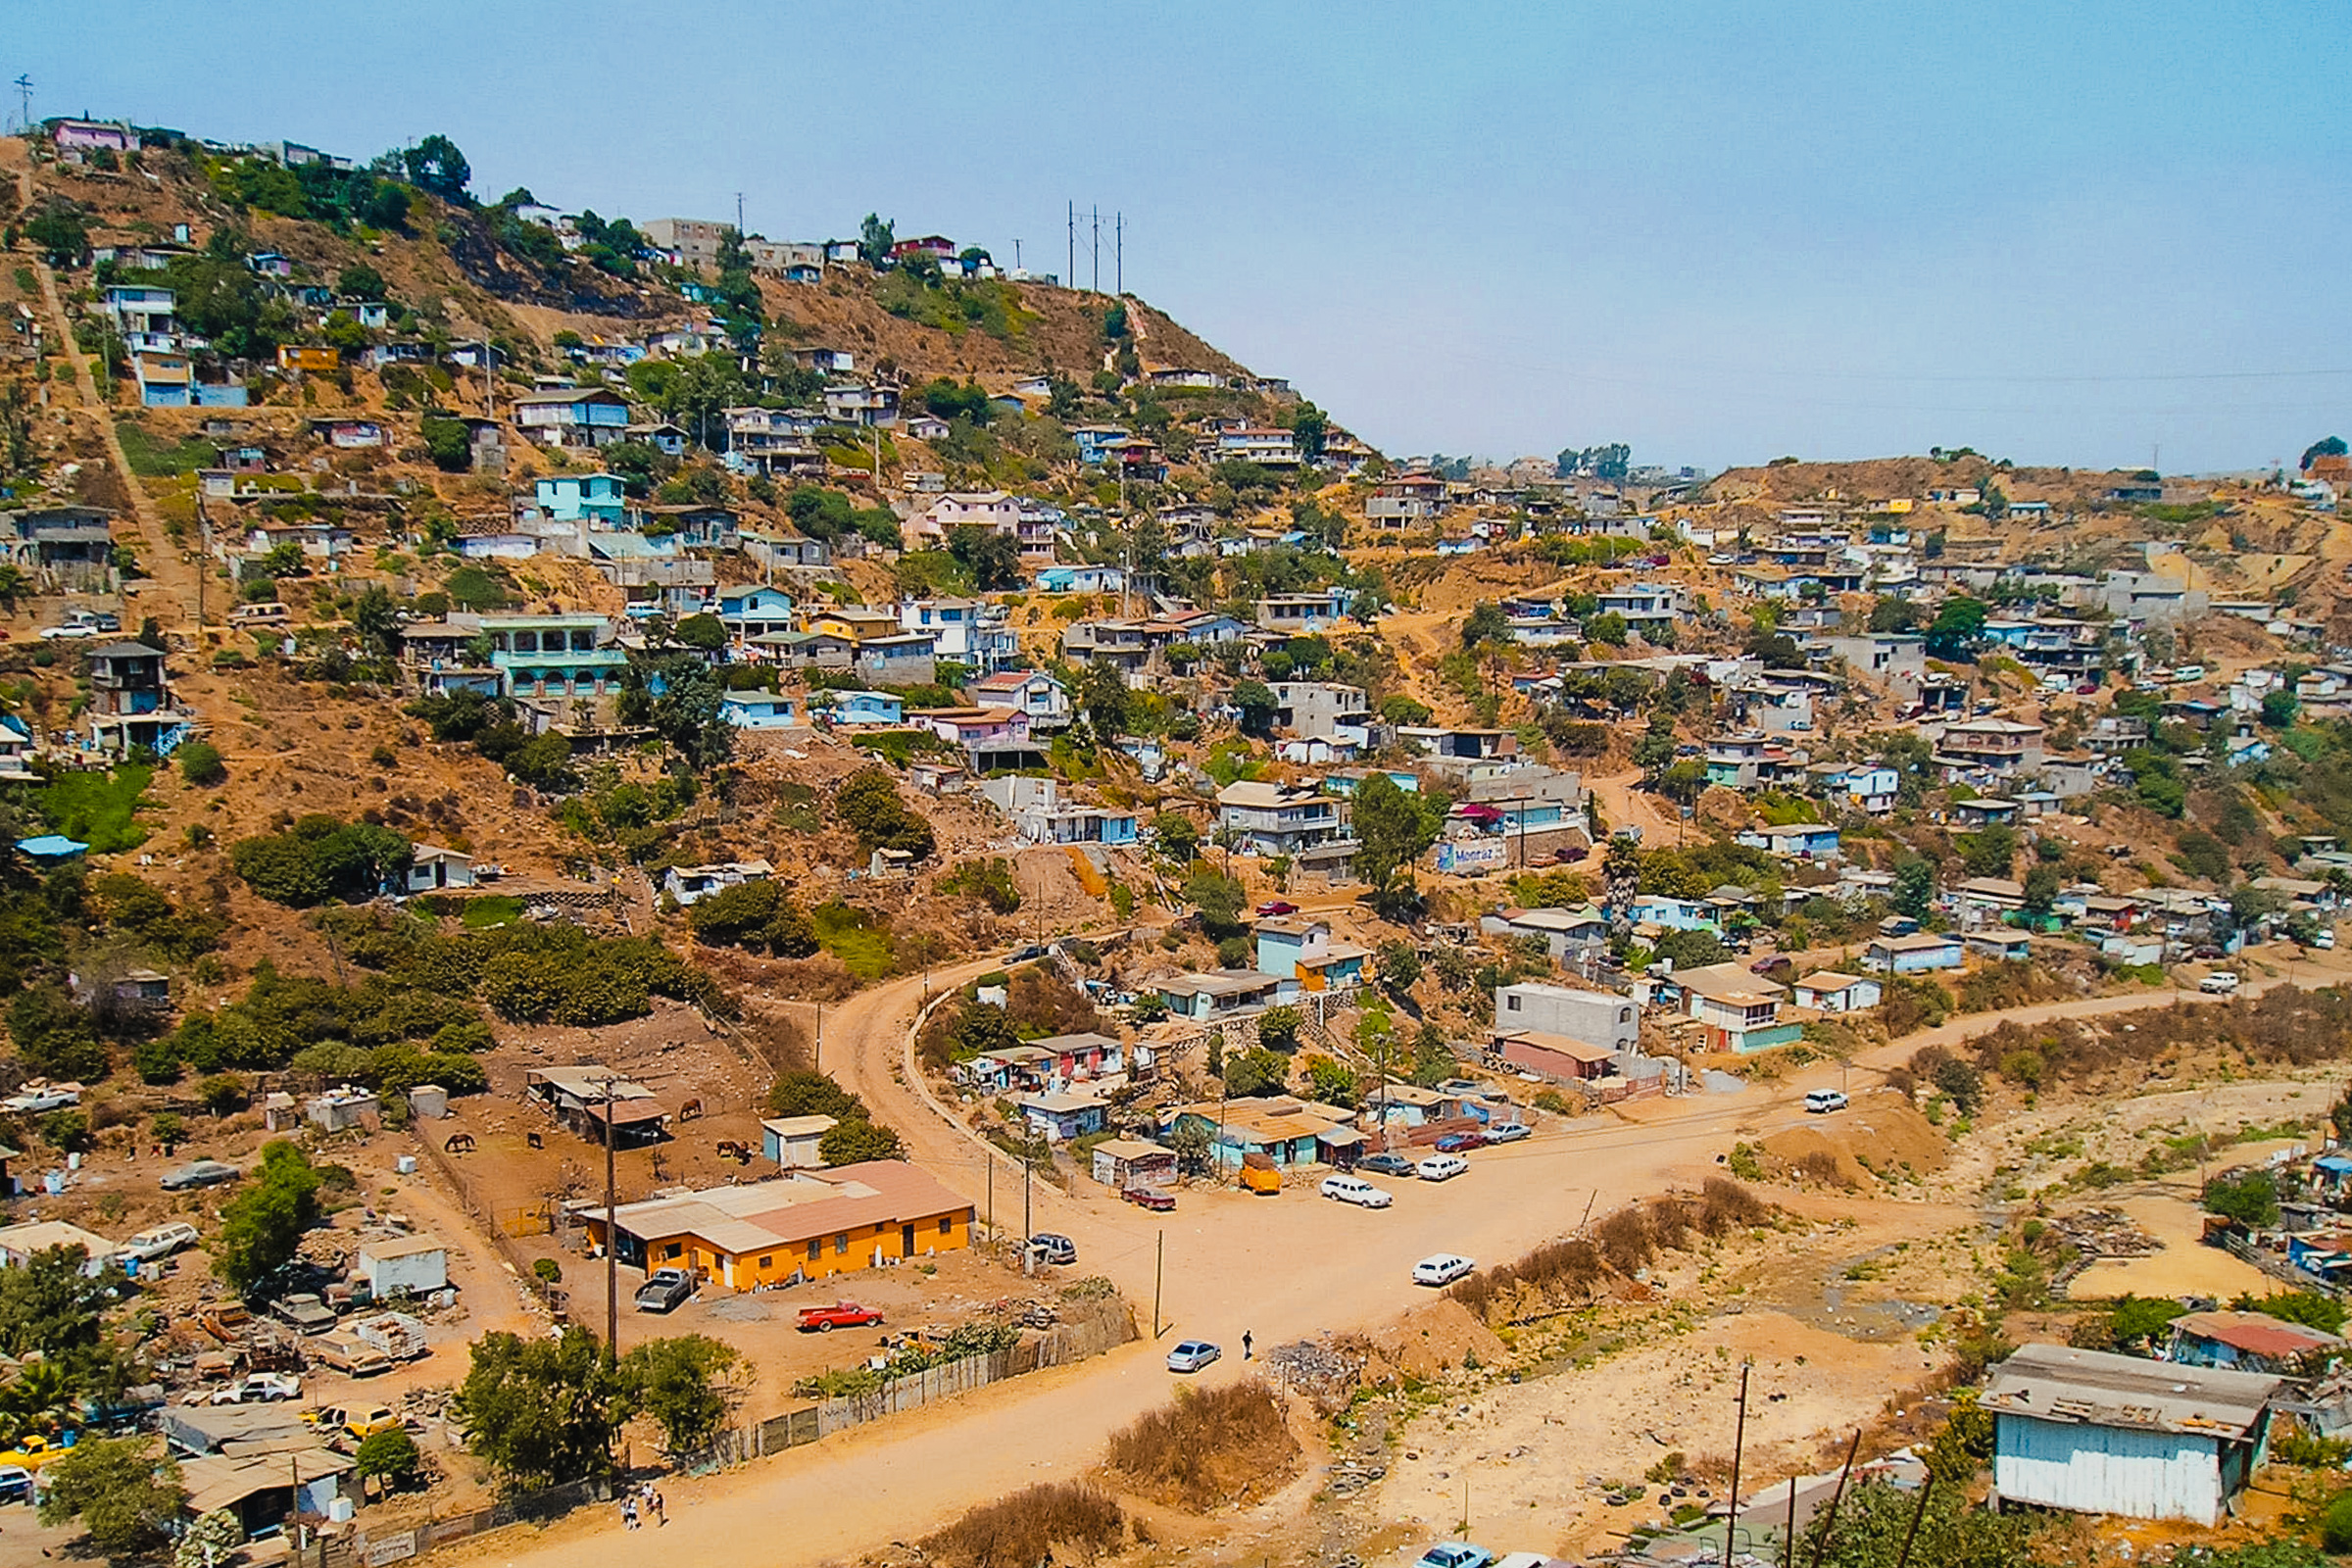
(1259, 1175)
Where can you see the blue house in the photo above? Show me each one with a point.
(1794, 841)
(868, 707)
(1673, 914)
(1064, 1115)
(749, 612)
(761, 710)
(1081, 579)
(1301, 948)
(1097, 442)
(1917, 954)
(570, 497)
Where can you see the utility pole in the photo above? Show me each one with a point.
(1731, 1512)
(611, 1236)
(820, 1035)
(1159, 1263)
(1070, 278)
(1028, 1252)
(1095, 217)
(739, 215)
(204, 534)
(25, 103)
(1016, 253)
(1118, 253)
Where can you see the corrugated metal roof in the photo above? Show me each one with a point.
(2093, 1387)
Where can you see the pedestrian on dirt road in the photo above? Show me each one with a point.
(628, 1512)
(661, 1510)
(1244, 1344)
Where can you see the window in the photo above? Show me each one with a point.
(817, 1250)
(946, 1224)
(841, 1244)
(1510, 1003)
(673, 1249)
(767, 1262)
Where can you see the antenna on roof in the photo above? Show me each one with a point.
(24, 101)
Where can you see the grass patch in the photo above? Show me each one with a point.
(481, 915)
(899, 746)
(154, 459)
(855, 938)
(97, 808)
(1210, 1447)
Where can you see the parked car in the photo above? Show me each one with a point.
(665, 1289)
(261, 1388)
(2220, 983)
(1385, 1164)
(16, 1484)
(308, 1313)
(1277, 907)
(198, 1173)
(1191, 1355)
(1440, 1167)
(1048, 1248)
(1441, 1268)
(1151, 1198)
(1456, 1143)
(381, 1418)
(73, 631)
(161, 1241)
(840, 1315)
(1355, 1190)
(1508, 1132)
(350, 1356)
(1821, 1101)
(31, 1453)
(1454, 1554)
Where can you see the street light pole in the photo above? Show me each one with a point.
(611, 1236)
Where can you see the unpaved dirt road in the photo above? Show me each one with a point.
(1283, 1268)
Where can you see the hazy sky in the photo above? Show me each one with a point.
(2063, 234)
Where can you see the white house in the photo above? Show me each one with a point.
(687, 883)
(431, 868)
(993, 510)
(413, 1264)
(1831, 992)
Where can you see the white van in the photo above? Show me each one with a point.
(1821, 1101)
(2220, 983)
(1355, 1190)
(1440, 1167)
(267, 613)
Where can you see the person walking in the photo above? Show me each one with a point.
(1244, 1344)
(661, 1510)
(628, 1511)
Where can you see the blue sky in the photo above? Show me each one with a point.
(2071, 235)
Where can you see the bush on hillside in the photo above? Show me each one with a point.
(200, 763)
(320, 857)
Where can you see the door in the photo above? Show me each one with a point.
(906, 1241)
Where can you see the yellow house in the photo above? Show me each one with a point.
(806, 1225)
(294, 357)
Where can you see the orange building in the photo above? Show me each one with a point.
(804, 1225)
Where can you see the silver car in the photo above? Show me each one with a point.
(1191, 1355)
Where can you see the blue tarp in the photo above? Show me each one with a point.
(51, 846)
(2336, 1164)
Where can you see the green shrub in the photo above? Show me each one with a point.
(200, 763)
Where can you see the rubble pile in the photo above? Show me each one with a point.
(1318, 1369)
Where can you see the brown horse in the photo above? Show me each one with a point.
(459, 1144)
(740, 1153)
(692, 1110)
(534, 1140)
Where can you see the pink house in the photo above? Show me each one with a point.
(92, 135)
(991, 509)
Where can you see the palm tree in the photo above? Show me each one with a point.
(13, 586)
(41, 1395)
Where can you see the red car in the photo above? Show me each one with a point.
(840, 1315)
(1278, 906)
(1151, 1198)
(1456, 1143)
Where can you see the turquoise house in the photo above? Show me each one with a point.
(571, 497)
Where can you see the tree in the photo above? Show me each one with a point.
(1259, 705)
(1399, 965)
(359, 281)
(54, 1035)
(874, 240)
(1331, 1082)
(2278, 708)
(126, 1496)
(852, 1143)
(1392, 829)
(2042, 889)
(759, 916)
(1957, 626)
(1104, 697)
(1485, 623)
(2251, 1199)
(803, 1092)
(60, 234)
(1402, 709)
(1256, 1072)
(390, 1456)
(868, 802)
(262, 1227)
(1278, 1028)
(685, 1384)
(1989, 851)
(447, 442)
(681, 697)
(1608, 628)
(1889, 613)
(1218, 897)
(992, 558)
(541, 1411)
(435, 166)
(2325, 447)
(1914, 887)
(1179, 835)
(49, 1307)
